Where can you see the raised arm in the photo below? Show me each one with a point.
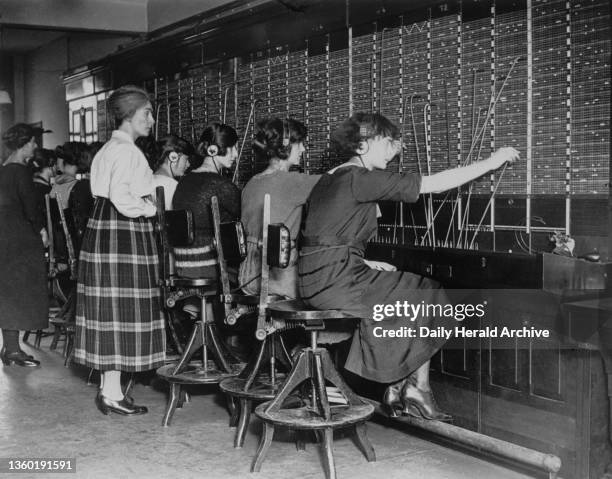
(448, 179)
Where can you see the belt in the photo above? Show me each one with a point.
(326, 243)
(313, 241)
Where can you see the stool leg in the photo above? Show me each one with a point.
(243, 422)
(183, 398)
(56, 337)
(216, 348)
(322, 401)
(363, 442)
(328, 451)
(195, 342)
(254, 366)
(233, 409)
(264, 445)
(300, 443)
(39, 335)
(332, 375)
(299, 374)
(175, 390)
(26, 336)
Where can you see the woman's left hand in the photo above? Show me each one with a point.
(379, 265)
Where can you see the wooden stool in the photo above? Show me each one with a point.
(253, 383)
(314, 365)
(204, 335)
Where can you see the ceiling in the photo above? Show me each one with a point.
(29, 24)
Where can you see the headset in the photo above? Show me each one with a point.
(173, 157)
(365, 132)
(212, 150)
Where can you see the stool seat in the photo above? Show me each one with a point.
(298, 311)
(305, 418)
(182, 282)
(194, 373)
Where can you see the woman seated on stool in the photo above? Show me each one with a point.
(341, 219)
(169, 158)
(281, 143)
(217, 147)
(119, 323)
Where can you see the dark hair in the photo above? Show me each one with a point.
(42, 159)
(77, 154)
(169, 144)
(360, 127)
(94, 147)
(219, 134)
(270, 135)
(124, 101)
(19, 135)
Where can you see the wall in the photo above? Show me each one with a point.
(44, 91)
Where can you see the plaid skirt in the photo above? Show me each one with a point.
(119, 322)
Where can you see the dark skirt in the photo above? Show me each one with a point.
(338, 279)
(24, 301)
(119, 322)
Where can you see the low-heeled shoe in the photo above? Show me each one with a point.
(20, 358)
(392, 399)
(421, 403)
(123, 407)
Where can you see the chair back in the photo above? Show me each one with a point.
(175, 228)
(230, 244)
(275, 252)
(60, 228)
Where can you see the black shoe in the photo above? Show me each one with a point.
(421, 403)
(20, 358)
(122, 407)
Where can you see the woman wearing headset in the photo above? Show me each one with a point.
(170, 161)
(217, 150)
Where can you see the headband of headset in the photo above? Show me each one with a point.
(286, 134)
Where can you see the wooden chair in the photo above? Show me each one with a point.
(312, 368)
(259, 381)
(210, 370)
(62, 275)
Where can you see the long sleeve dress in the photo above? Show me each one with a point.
(288, 194)
(119, 322)
(194, 192)
(23, 279)
(340, 220)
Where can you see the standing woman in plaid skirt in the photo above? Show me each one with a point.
(119, 324)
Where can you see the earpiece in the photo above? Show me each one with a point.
(363, 147)
(173, 157)
(212, 150)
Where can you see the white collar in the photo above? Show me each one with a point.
(122, 135)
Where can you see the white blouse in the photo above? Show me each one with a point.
(169, 185)
(120, 172)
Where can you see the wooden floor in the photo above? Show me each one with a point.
(49, 412)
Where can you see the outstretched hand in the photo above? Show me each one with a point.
(506, 154)
(379, 265)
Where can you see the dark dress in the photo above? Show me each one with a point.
(340, 220)
(194, 192)
(23, 279)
